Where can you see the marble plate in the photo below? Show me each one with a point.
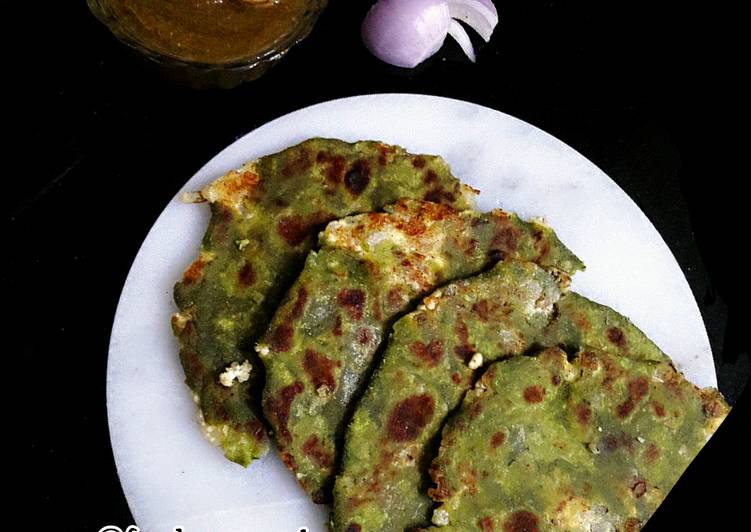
(172, 476)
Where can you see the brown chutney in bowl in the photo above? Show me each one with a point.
(212, 42)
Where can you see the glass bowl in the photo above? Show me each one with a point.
(223, 75)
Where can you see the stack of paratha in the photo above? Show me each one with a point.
(419, 363)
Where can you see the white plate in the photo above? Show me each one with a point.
(173, 477)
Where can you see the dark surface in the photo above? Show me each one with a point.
(649, 97)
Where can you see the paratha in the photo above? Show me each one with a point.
(542, 443)
(513, 308)
(264, 218)
(370, 268)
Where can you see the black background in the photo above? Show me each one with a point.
(102, 144)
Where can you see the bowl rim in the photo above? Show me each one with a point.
(100, 9)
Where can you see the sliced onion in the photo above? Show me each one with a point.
(406, 32)
(480, 15)
(459, 34)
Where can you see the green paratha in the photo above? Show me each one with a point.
(542, 443)
(371, 267)
(264, 218)
(507, 311)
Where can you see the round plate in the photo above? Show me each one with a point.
(172, 476)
